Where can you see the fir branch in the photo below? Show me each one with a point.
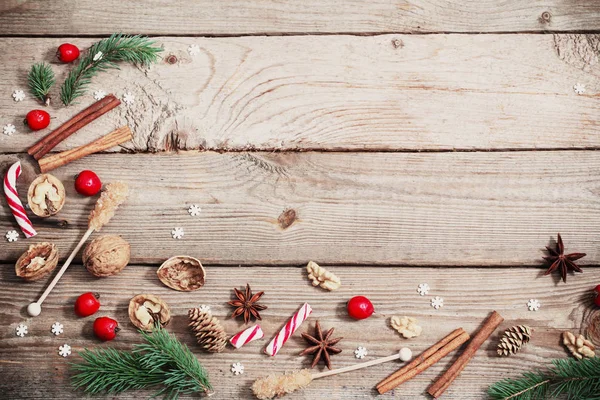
(104, 55)
(41, 79)
(571, 378)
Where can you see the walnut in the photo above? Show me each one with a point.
(406, 326)
(144, 309)
(46, 195)
(106, 255)
(321, 277)
(579, 346)
(182, 273)
(38, 261)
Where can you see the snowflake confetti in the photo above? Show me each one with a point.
(423, 289)
(57, 328)
(64, 350)
(533, 305)
(194, 210)
(194, 49)
(21, 330)
(9, 129)
(237, 368)
(99, 95)
(360, 352)
(579, 88)
(18, 95)
(204, 308)
(98, 56)
(12, 236)
(129, 98)
(177, 233)
(437, 302)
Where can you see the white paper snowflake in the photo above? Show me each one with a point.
(579, 88)
(437, 302)
(21, 330)
(129, 98)
(533, 305)
(423, 289)
(237, 368)
(12, 236)
(57, 328)
(177, 233)
(18, 95)
(204, 308)
(64, 350)
(99, 94)
(194, 49)
(360, 352)
(98, 56)
(9, 129)
(194, 210)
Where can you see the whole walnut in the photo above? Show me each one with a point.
(106, 255)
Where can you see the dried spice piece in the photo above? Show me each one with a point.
(246, 304)
(208, 330)
(46, 196)
(321, 277)
(561, 261)
(322, 347)
(406, 326)
(146, 309)
(38, 261)
(579, 346)
(182, 273)
(106, 255)
(513, 339)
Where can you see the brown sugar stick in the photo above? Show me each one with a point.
(489, 326)
(425, 360)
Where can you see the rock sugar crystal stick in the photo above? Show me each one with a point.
(288, 330)
(10, 191)
(246, 336)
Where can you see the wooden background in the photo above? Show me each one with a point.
(413, 141)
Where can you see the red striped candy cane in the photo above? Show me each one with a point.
(246, 336)
(288, 330)
(10, 191)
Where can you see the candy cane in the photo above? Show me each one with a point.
(246, 336)
(288, 330)
(10, 191)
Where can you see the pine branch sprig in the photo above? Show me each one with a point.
(40, 80)
(569, 378)
(104, 55)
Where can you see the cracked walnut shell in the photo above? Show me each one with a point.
(38, 261)
(106, 255)
(46, 195)
(321, 277)
(406, 326)
(182, 273)
(145, 309)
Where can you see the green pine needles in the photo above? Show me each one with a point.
(41, 79)
(104, 55)
(570, 379)
(161, 361)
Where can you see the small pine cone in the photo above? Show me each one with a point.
(513, 338)
(208, 330)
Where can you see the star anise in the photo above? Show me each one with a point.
(323, 346)
(561, 261)
(247, 304)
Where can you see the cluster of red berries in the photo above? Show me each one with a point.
(105, 328)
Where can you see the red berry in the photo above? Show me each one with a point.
(359, 307)
(37, 119)
(87, 304)
(106, 328)
(597, 299)
(87, 183)
(67, 52)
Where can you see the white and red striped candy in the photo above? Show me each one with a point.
(288, 330)
(246, 336)
(10, 191)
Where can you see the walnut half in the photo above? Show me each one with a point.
(182, 273)
(145, 309)
(406, 326)
(46, 196)
(38, 261)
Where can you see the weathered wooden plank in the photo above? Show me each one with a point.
(389, 92)
(468, 209)
(230, 17)
(32, 369)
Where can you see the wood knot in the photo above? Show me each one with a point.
(171, 59)
(287, 218)
(545, 17)
(397, 43)
(592, 330)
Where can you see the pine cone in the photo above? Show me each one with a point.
(513, 339)
(208, 330)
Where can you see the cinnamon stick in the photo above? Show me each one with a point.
(115, 138)
(48, 142)
(489, 326)
(425, 360)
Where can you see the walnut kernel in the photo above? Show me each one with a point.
(38, 261)
(144, 309)
(106, 255)
(406, 326)
(46, 195)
